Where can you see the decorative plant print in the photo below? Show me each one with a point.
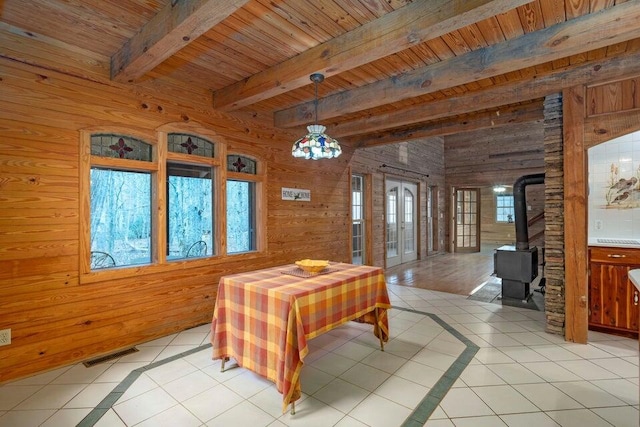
(622, 193)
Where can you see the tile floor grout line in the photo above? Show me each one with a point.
(107, 403)
(611, 347)
(419, 415)
(430, 402)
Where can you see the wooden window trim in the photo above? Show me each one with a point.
(159, 175)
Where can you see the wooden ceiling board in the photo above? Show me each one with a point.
(225, 39)
(575, 8)
(258, 40)
(597, 54)
(216, 57)
(359, 11)
(456, 43)
(287, 38)
(377, 8)
(273, 35)
(75, 26)
(292, 32)
(440, 49)
(288, 12)
(617, 48)
(505, 56)
(531, 17)
(173, 28)
(201, 54)
(324, 17)
(403, 62)
(423, 53)
(633, 45)
(491, 31)
(388, 67)
(473, 37)
(510, 24)
(552, 12)
(191, 74)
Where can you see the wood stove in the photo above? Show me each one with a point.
(517, 265)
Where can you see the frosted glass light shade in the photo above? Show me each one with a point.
(316, 145)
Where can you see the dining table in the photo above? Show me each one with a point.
(264, 319)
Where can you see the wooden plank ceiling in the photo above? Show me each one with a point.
(395, 69)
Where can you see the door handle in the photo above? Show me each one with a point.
(635, 298)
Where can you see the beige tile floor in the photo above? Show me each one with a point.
(516, 375)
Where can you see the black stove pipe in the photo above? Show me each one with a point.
(520, 207)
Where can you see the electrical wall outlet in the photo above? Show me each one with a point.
(5, 336)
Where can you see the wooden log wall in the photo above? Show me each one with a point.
(498, 156)
(57, 317)
(423, 157)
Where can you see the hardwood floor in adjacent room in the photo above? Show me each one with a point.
(456, 273)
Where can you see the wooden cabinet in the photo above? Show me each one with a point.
(613, 299)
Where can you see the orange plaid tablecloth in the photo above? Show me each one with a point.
(263, 319)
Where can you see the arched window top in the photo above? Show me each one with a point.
(121, 147)
(242, 164)
(190, 144)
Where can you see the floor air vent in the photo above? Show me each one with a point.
(108, 357)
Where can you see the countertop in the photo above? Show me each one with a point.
(634, 276)
(615, 243)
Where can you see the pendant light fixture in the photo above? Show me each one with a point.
(316, 144)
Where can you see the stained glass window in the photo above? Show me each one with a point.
(190, 144)
(123, 200)
(236, 163)
(120, 146)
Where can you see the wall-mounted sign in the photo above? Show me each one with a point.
(296, 194)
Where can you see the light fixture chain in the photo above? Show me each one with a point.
(316, 100)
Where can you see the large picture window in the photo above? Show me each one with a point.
(190, 211)
(121, 217)
(240, 216)
(241, 204)
(120, 201)
(190, 196)
(150, 202)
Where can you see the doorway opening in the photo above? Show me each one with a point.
(466, 220)
(401, 222)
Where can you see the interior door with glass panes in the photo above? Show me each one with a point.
(401, 222)
(466, 220)
(432, 219)
(358, 248)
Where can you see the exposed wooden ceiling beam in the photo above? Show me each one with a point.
(501, 116)
(175, 26)
(615, 24)
(408, 26)
(520, 91)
